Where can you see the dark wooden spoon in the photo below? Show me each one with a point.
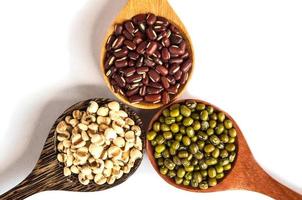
(245, 175)
(48, 172)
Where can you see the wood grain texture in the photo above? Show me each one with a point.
(159, 8)
(246, 173)
(48, 172)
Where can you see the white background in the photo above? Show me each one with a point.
(248, 62)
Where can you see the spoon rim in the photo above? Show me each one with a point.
(145, 105)
(92, 186)
(170, 181)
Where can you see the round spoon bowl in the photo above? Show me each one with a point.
(48, 172)
(150, 151)
(246, 173)
(159, 8)
(92, 186)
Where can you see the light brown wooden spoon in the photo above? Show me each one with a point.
(157, 7)
(246, 173)
(48, 172)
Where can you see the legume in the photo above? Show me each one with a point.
(148, 60)
(195, 144)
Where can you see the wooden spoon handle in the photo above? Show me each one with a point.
(260, 181)
(45, 176)
(31, 185)
(269, 186)
(144, 6)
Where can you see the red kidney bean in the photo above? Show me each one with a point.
(184, 78)
(111, 71)
(157, 61)
(129, 71)
(153, 75)
(120, 53)
(174, 29)
(136, 99)
(133, 86)
(172, 90)
(165, 97)
(183, 46)
(152, 90)
(114, 75)
(157, 54)
(162, 70)
(134, 78)
(130, 45)
(162, 21)
(151, 19)
(175, 50)
(133, 55)
(142, 27)
(139, 62)
(142, 90)
(118, 42)
(161, 35)
(176, 39)
(141, 47)
(109, 61)
(149, 62)
(127, 35)
(185, 55)
(159, 28)
(137, 40)
(176, 61)
(166, 42)
(153, 98)
(151, 48)
(121, 82)
(145, 48)
(121, 63)
(165, 82)
(165, 54)
(113, 82)
(109, 42)
(178, 75)
(171, 80)
(142, 70)
(151, 34)
(132, 92)
(129, 26)
(173, 56)
(139, 34)
(159, 46)
(118, 29)
(186, 66)
(155, 85)
(116, 89)
(139, 18)
(173, 69)
(131, 63)
(145, 80)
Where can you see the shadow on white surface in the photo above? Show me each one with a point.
(52, 109)
(88, 30)
(104, 19)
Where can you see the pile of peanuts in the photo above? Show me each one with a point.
(100, 144)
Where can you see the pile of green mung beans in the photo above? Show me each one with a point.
(194, 144)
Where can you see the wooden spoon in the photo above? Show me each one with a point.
(159, 8)
(246, 173)
(48, 172)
